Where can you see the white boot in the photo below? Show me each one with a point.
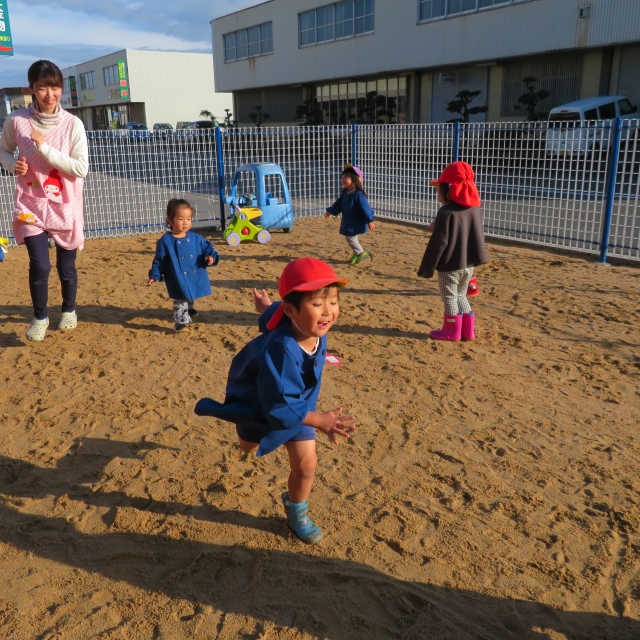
(68, 321)
(37, 329)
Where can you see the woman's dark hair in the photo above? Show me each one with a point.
(295, 298)
(174, 204)
(443, 188)
(355, 179)
(45, 72)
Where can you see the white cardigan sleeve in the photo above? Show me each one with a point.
(77, 164)
(8, 145)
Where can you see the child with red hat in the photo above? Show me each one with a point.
(274, 382)
(456, 246)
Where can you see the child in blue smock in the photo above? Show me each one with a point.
(181, 260)
(357, 214)
(274, 382)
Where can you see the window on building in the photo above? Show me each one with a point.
(266, 38)
(88, 80)
(336, 21)
(364, 11)
(433, 9)
(111, 76)
(382, 101)
(248, 43)
(66, 88)
(344, 19)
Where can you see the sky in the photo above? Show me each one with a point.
(68, 32)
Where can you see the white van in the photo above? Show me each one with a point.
(572, 128)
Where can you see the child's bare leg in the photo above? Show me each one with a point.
(303, 462)
(248, 447)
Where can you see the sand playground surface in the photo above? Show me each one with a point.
(491, 490)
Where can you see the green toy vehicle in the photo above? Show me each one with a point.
(241, 229)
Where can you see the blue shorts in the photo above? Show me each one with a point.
(249, 435)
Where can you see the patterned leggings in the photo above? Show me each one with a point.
(453, 290)
(354, 243)
(181, 311)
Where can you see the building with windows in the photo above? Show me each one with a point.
(143, 86)
(12, 99)
(314, 61)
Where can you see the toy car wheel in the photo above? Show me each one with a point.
(233, 239)
(263, 236)
(288, 229)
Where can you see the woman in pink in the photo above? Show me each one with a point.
(53, 160)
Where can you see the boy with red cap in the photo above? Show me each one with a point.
(456, 246)
(274, 382)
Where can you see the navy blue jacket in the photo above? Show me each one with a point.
(356, 212)
(272, 385)
(180, 263)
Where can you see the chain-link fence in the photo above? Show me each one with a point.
(571, 185)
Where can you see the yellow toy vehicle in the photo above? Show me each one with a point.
(241, 229)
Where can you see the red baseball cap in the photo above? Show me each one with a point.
(462, 189)
(303, 274)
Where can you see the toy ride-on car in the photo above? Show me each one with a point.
(242, 229)
(266, 181)
(4, 243)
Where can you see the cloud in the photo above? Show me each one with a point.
(69, 32)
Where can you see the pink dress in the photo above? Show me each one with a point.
(46, 199)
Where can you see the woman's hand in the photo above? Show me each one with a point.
(21, 167)
(38, 137)
(432, 226)
(372, 226)
(331, 423)
(261, 300)
(327, 214)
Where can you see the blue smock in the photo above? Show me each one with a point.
(272, 385)
(180, 263)
(356, 212)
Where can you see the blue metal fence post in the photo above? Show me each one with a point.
(354, 144)
(456, 142)
(220, 168)
(611, 189)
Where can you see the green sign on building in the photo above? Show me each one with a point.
(6, 43)
(122, 76)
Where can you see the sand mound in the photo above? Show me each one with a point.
(491, 490)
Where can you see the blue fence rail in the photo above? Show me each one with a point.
(572, 187)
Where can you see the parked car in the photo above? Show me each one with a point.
(573, 129)
(162, 126)
(138, 131)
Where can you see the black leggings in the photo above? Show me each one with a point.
(39, 268)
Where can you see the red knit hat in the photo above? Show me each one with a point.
(303, 274)
(462, 189)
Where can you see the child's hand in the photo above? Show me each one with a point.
(261, 300)
(372, 226)
(332, 424)
(21, 167)
(327, 214)
(151, 281)
(208, 260)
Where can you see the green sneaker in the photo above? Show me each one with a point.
(353, 258)
(359, 257)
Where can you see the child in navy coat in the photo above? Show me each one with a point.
(357, 214)
(274, 382)
(181, 260)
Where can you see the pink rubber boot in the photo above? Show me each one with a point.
(451, 329)
(468, 320)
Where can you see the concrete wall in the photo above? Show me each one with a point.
(526, 27)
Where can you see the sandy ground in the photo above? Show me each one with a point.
(491, 490)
